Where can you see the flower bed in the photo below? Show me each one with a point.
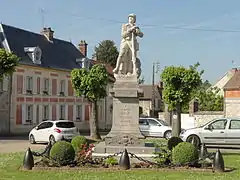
(183, 156)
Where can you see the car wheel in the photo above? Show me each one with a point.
(197, 140)
(32, 139)
(168, 134)
(52, 139)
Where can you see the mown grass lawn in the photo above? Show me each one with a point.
(10, 168)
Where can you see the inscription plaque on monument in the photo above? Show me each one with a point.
(125, 116)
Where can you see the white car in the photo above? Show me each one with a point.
(153, 127)
(220, 132)
(52, 131)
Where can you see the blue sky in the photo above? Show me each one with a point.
(94, 21)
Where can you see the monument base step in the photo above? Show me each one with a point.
(103, 148)
(148, 157)
(109, 154)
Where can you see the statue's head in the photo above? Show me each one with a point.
(132, 18)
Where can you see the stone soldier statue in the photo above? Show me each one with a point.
(127, 62)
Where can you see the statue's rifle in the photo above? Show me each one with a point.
(134, 58)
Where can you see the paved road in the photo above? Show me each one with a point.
(17, 145)
(20, 144)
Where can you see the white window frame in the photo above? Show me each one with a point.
(62, 86)
(85, 63)
(29, 112)
(29, 83)
(46, 84)
(38, 90)
(62, 111)
(45, 112)
(79, 112)
(37, 113)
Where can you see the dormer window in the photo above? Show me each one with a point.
(84, 63)
(35, 53)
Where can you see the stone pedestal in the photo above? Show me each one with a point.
(125, 131)
(125, 125)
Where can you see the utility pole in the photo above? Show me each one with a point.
(155, 69)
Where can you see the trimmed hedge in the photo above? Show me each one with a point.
(184, 153)
(63, 152)
(77, 143)
(174, 141)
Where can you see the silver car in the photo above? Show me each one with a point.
(221, 132)
(153, 127)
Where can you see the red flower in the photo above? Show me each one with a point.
(91, 145)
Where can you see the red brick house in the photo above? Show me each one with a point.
(41, 89)
(232, 95)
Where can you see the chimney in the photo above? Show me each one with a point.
(83, 47)
(48, 33)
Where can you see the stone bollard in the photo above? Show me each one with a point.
(203, 151)
(218, 162)
(28, 161)
(124, 161)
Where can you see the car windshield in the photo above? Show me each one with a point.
(163, 122)
(65, 124)
(200, 126)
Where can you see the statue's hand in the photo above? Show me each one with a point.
(137, 30)
(132, 29)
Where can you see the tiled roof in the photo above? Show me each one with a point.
(58, 55)
(234, 82)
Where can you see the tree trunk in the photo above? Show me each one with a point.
(94, 130)
(176, 123)
(167, 115)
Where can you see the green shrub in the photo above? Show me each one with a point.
(63, 152)
(174, 141)
(78, 142)
(111, 161)
(184, 153)
(163, 155)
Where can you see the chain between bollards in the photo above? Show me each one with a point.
(124, 161)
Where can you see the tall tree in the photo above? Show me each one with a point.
(8, 62)
(209, 100)
(179, 85)
(203, 95)
(205, 85)
(92, 85)
(107, 52)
